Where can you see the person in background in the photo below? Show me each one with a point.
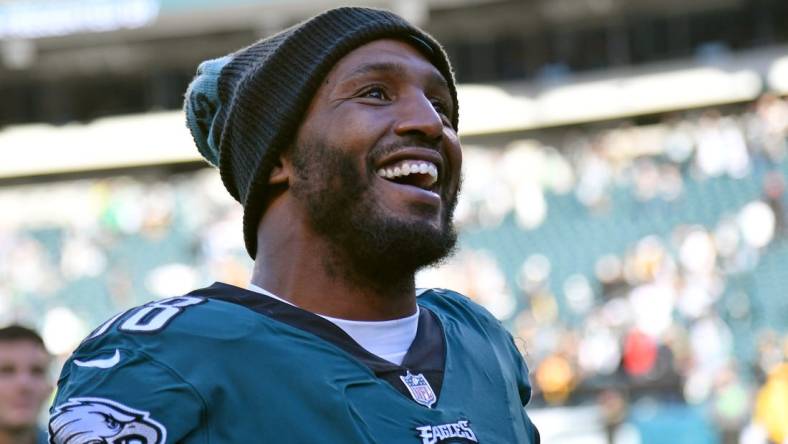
(24, 385)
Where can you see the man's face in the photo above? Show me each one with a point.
(377, 161)
(23, 383)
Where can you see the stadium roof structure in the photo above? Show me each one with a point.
(108, 143)
(162, 138)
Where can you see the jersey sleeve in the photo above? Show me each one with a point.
(119, 394)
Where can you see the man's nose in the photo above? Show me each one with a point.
(25, 380)
(418, 117)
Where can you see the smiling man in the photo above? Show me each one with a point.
(339, 138)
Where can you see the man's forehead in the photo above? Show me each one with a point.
(9, 349)
(385, 55)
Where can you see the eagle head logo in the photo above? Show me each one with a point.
(100, 421)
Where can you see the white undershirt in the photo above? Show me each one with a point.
(389, 340)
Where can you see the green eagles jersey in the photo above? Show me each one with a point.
(228, 365)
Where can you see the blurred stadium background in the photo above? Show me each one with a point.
(624, 211)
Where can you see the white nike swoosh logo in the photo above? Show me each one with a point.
(100, 363)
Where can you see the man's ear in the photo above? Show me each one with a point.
(281, 172)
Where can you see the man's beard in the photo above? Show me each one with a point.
(341, 206)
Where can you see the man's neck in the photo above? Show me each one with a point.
(21, 436)
(318, 280)
(303, 267)
(340, 298)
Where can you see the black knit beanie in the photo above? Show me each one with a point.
(245, 108)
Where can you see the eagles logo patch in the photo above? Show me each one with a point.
(98, 421)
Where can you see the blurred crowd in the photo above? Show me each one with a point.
(630, 262)
(72, 253)
(675, 314)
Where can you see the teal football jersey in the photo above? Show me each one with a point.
(228, 365)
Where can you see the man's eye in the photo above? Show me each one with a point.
(440, 107)
(375, 92)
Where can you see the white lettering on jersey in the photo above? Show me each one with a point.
(433, 434)
(99, 420)
(155, 315)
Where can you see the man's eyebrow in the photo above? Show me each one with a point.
(377, 67)
(393, 68)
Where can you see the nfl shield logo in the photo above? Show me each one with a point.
(419, 389)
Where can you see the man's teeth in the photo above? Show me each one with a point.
(407, 168)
